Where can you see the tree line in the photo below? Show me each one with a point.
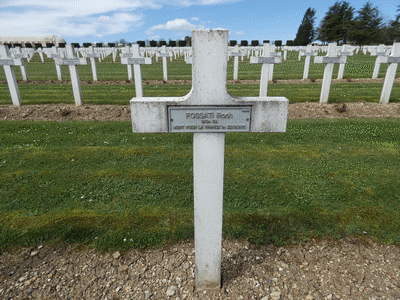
(342, 24)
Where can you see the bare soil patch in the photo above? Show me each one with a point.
(89, 112)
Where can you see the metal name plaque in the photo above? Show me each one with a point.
(6, 62)
(393, 60)
(209, 118)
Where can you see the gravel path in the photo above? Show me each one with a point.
(345, 269)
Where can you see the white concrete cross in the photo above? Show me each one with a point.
(92, 56)
(54, 53)
(308, 53)
(164, 54)
(19, 55)
(330, 60)
(134, 58)
(236, 53)
(72, 62)
(393, 60)
(266, 60)
(345, 52)
(127, 54)
(209, 111)
(40, 52)
(273, 54)
(8, 64)
(380, 52)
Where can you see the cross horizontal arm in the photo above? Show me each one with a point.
(268, 114)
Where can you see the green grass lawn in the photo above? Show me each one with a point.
(122, 94)
(100, 184)
(358, 66)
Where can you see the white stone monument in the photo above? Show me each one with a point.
(267, 60)
(393, 60)
(330, 60)
(8, 64)
(209, 112)
(72, 62)
(136, 60)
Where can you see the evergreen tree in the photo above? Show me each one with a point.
(337, 23)
(306, 33)
(368, 26)
(394, 28)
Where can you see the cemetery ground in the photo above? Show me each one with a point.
(90, 210)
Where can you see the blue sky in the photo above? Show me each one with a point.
(111, 20)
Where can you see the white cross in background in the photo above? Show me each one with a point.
(72, 62)
(393, 60)
(267, 60)
(8, 64)
(134, 58)
(330, 60)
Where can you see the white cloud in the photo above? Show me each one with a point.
(241, 32)
(175, 25)
(79, 18)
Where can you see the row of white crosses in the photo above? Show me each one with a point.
(333, 57)
(268, 59)
(209, 112)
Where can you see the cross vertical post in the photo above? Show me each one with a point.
(209, 112)
(393, 60)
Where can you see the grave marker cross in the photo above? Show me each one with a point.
(393, 60)
(164, 54)
(379, 52)
(8, 62)
(19, 55)
(72, 62)
(236, 53)
(343, 53)
(209, 111)
(92, 56)
(134, 58)
(267, 60)
(330, 60)
(308, 53)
